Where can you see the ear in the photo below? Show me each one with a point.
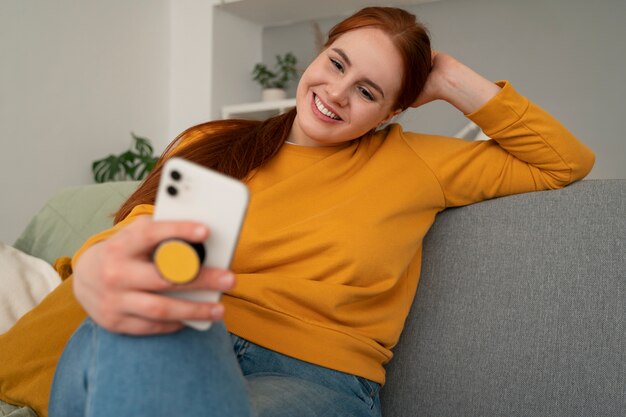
(390, 116)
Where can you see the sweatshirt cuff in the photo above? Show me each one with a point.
(139, 210)
(504, 109)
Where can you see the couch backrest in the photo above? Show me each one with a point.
(520, 310)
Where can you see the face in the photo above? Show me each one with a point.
(348, 89)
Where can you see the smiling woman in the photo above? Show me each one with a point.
(347, 91)
(329, 255)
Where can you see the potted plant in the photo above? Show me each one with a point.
(134, 164)
(275, 81)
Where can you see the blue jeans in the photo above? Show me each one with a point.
(196, 373)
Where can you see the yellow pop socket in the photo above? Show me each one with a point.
(178, 261)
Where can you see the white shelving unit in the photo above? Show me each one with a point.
(258, 111)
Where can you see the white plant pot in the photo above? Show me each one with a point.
(274, 94)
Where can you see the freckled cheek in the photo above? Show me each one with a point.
(317, 74)
(301, 89)
(306, 82)
(363, 114)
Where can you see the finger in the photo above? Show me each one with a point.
(163, 308)
(143, 275)
(145, 233)
(135, 275)
(138, 326)
(111, 316)
(216, 279)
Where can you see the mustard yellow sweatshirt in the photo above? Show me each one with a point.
(329, 257)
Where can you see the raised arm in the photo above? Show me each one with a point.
(530, 149)
(457, 84)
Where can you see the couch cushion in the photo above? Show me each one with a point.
(70, 217)
(520, 310)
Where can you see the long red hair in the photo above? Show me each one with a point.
(237, 147)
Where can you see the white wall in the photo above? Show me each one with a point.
(566, 55)
(76, 77)
(191, 69)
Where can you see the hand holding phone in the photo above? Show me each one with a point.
(188, 191)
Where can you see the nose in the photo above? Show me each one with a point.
(337, 92)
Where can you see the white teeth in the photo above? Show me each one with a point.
(324, 110)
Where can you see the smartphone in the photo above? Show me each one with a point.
(188, 191)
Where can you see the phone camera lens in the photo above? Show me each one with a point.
(171, 190)
(175, 175)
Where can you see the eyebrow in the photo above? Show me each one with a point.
(367, 81)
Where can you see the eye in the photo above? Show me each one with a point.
(366, 94)
(337, 64)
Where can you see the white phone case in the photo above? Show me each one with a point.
(188, 191)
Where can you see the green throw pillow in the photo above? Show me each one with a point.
(70, 217)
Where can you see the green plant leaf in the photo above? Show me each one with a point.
(142, 145)
(133, 164)
(263, 75)
(145, 165)
(105, 169)
(128, 165)
(285, 71)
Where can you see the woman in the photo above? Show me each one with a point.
(329, 256)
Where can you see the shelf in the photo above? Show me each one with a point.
(282, 12)
(259, 110)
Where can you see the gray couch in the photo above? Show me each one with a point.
(520, 309)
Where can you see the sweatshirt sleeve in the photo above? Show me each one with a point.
(140, 210)
(529, 151)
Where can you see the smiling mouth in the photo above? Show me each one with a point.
(324, 110)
